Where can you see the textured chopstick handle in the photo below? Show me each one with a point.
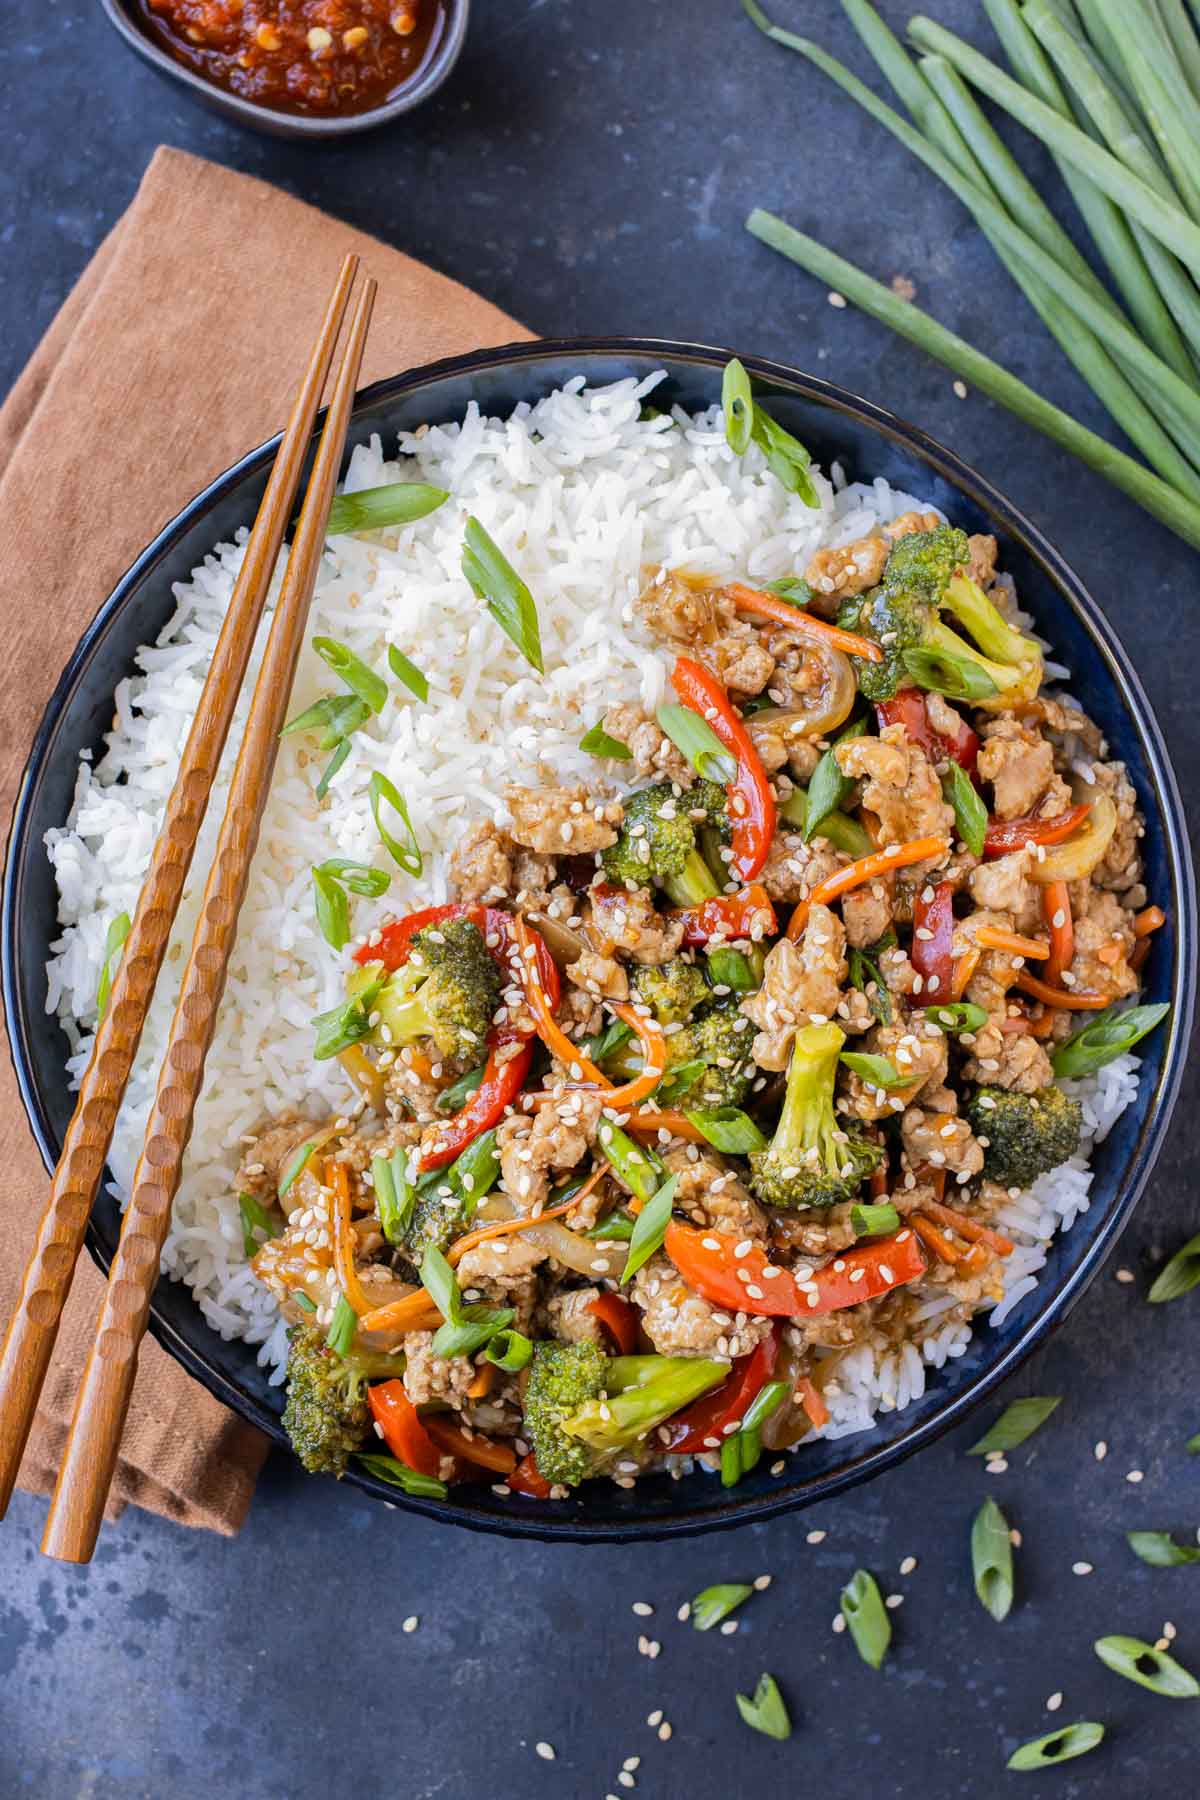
(77, 1507)
(29, 1341)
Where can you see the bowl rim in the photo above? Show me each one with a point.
(868, 1462)
(428, 78)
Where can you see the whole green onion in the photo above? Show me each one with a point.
(992, 1560)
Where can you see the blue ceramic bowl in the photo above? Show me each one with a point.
(868, 442)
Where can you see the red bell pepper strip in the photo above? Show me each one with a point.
(732, 916)
(932, 949)
(702, 1425)
(1004, 835)
(527, 1478)
(619, 1319)
(908, 708)
(403, 1432)
(502, 1082)
(751, 800)
(485, 1452)
(726, 1280)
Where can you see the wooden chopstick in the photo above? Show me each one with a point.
(77, 1505)
(29, 1341)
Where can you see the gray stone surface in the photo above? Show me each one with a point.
(588, 167)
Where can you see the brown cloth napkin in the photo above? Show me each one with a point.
(177, 352)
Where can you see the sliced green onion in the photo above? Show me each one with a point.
(441, 1284)
(792, 588)
(695, 738)
(476, 1328)
(736, 970)
(878, 1219)
(370, 688)
(737, 403)
(766, 1712)
(865, 975)
(1149, 1667)
(1180, 1275)
(787, 458)
(373, 509)
(866, 1618)
(1105, 1038)
(767, 1400)
(114, 942)
(970, 814)
(828, 787)
(498, 585)
(642, 1171)
(296, 1162)
(713, 1604)
(344, 1025)
(474, 1171)
(255, 1218)
(331, 767)
(957, 1015)
(304, 1301)
(333, 909)
(992, 1560)
(941, 672)
(842, 832)
(650, 1228)
(597, 742)
(453, 1098)
(360, 878)
(333, 715)
(1016, 1423)
(728, 1129)
(510, 1350)
(1159, 1549)
(682, 1079)
(731, 1460)
(1193, 1445)
(343, 1327)
(407, 672)
(1057, 1746)
(617, 1228)
(398, 1474)
(876, 1071)
(605, 1042)
(408, 855)
(395, 1194)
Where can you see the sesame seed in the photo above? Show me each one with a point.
(1135, 1475)
(960, 388)
(908, 1565)
(1015, 1539)
(839, 1623)
(545, 1750)
(1125, 1275)
(664, 1730)
(411, 1623)
(631, 1763)
(654, 1718)
(626, 1779)
(1168, 1631)
(996, 1465)
(836, 299)
(1081, 1568)
(816, 1537)
(762, 1583)
(893, 1601)
(1100, 1451)
(1054, 1702)
(729, 1627)
(642, 1608)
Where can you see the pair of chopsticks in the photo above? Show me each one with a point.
(80, 1493)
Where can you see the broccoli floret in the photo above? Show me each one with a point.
(673, 991)
(448, 990)
(924, 577)
(326, 1415)
(722, 1038)
(435, 1223)
(657, 843)
(562, 1378)
(812, 1160)
(1024, 1134)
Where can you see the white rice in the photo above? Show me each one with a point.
(581, 493)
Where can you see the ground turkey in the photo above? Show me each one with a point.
(679, 1322)
(562, 821)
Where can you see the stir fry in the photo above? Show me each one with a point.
(719, 1067)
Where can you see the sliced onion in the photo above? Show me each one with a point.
(823, 708)
(364, 1076)
(565, 946)
(1080, 854)
(585, 1255)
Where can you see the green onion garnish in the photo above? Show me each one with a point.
(1057, 1746)
(1180, 1275)
(408, 673)
(766, 1711)
(509, 1350)
(455, 1097)
(597, 742)
(304, 1302)
(466, 1328)
(395, 1194)
(866, 976)
(335, 716)
(737, 403)
(682, 1079)
(735, 969)
(866, 1617)
(498, 585)
(344, 1025)
(331, 768)
(713, 1604)
(1105, 1038)
(747, 423)
(1193, 1445)
(360, 878)
(333, 909)
(875, 1220)
(398, 1474)
(114, 941)
(1159, 1549)
(341, 1331)
(638, 1166)
(792, 588)
(617, 1228)
(992, 1560)
(957, 1015)
(741, 1451)
(297, 1161)
(695, 738)
(373, 509)
(605, 1042)
(1016, 1423)
(970, 814)
(650, 1228)
(941, 672)
(829, 787)
(370, 688)
(1149, 1667)
(728, 1129)
(408, 855)
(256, 1218)
(876, 1071)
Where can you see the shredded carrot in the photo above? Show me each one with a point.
(1041, 1023)
(483, 1382)
(507, 1227)
(769, 606)
(812, 1402)
(964, 967)
(471, 1447)
(649, 1123)
(971, 1229)
(1056, 910)
(993, 937)
(548, 1028)
(935, 1240)
(654, 1057)
(412, 1312)
(1067, 998)
(337, 1178)
(924, 849)
(1150, 919)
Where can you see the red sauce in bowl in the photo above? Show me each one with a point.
(325, 58)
